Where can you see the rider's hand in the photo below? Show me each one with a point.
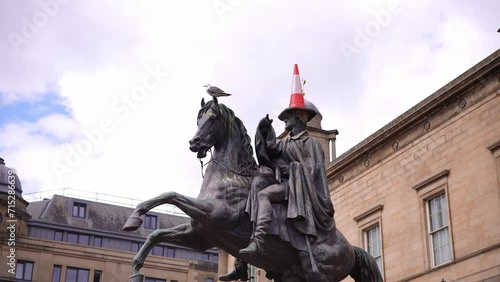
(268, 119)
(265, 122)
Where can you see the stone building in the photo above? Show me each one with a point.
(72, 239)
(422, 194)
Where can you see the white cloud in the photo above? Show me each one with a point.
(418, 64)
(93, 53)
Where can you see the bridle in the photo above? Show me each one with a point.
(221, 165)
(218, 163)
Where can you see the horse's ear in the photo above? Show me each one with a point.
(202, 102)
(216, 102)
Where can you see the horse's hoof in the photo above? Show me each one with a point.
(138, 277)
(133, 223)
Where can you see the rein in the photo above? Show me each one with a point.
(221, 165)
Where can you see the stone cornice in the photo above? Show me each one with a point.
(332, 133)
(494, 147)
(368, 212)
(417, 115)
(431, 179)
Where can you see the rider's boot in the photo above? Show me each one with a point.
(239, 273)
(263, 221)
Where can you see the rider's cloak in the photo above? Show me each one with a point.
(300, 160)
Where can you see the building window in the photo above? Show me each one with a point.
(24, 270)
(150, 221)
(205, 256)
(72, 238)
(97, 241)
(439, 233)
(210, 280)
(371, 233)
(214, 257)
(58, 236)
(77, 275)
(135, 247)
(56, 273)
(170, 252)
(79, 210)
(97, 276)
(158, 250)
(434, 213)
(150, 279)
(495, 150)
(83, 239)
(80, 239)
(373, 244)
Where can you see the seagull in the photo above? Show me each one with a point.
(215, 91)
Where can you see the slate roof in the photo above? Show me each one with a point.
(99, 216)
(35, 209)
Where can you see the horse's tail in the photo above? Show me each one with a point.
(365, 268)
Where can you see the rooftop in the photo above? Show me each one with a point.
(99, 198)
(98, 216)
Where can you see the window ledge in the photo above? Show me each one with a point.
(368, 212)
(495, 146)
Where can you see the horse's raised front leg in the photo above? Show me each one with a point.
(134, 221)
(199, 210)
(196, 209)
(182, 235)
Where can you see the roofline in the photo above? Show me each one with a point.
(415, 113)
(155, 211)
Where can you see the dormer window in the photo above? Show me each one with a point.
(150, 221)
(79, 210)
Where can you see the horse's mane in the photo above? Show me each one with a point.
(247, 165)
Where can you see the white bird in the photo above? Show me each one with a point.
(215, 91)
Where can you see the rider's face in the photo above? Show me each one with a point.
(291, 121)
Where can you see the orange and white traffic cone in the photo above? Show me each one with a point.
(297, 97)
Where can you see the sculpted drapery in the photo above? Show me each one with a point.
(300, 161)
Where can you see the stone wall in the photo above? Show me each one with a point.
(448, 144)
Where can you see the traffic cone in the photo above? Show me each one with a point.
(297, 97)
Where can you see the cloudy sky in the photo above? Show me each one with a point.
(121, 81)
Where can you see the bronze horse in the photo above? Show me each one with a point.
(219, 218)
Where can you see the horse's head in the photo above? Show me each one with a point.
(210, 128)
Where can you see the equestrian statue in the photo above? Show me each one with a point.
(277, 216)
